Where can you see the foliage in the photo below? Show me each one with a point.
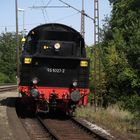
(120, 55)
(4, 78)
(7, 58)
(101, 80)
(132, 103)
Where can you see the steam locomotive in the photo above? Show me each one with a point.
(54, 72)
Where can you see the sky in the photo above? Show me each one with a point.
(34, 17)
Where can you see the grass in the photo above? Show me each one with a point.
(113, 119)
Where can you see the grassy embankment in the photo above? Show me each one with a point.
(119, 122)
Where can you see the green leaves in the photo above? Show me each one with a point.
(121, 52)
(7, 58)
(4, 78)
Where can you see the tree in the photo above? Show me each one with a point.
(7, 57)
(121, 51)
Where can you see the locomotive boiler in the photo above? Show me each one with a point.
(54, 73)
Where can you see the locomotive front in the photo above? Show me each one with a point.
(54, 72)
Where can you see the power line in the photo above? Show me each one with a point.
(43, 14)
(63, 18)
(67, 6)
(49, 2)
(38, 7)
(43, 8)
(77, 10)
(47, 5)
(43, 11)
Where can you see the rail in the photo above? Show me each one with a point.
(51, 133)
(56, 136)
(7, 88)
(88, 130)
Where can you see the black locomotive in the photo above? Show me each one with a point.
(54, 69)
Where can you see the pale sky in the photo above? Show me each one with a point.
(34, 17)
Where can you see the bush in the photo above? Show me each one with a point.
(4, 78)
(132, 103)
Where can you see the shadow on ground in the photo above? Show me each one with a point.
(9, 101)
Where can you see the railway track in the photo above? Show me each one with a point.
(52, 127)
(7, 88)
(68, 129)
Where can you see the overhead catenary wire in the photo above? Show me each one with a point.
(43, 8)
(43, 14)
(38, 7)
(67, 6)
(77, 10)
(44, 11)
(63, 18)
(49, 2)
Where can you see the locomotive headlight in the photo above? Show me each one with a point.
(35, 81)
(75, 83)
(57, 46)
(34, 93)
(75, 96)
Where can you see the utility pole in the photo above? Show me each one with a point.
(83, 20)
(96, 43)
(17, 39)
